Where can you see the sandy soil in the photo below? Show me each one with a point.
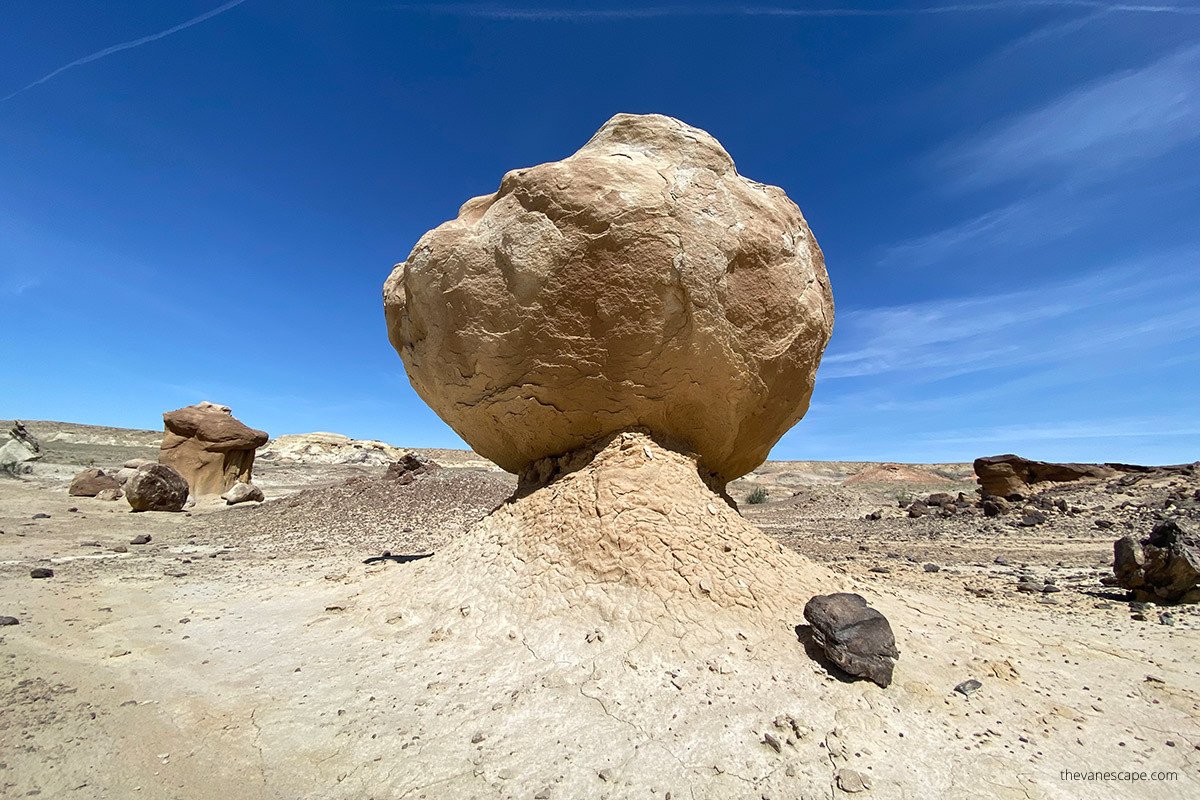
(250, 652)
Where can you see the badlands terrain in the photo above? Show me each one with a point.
(288, 649)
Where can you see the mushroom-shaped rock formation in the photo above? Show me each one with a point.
(209, 447)
(627, 329)
(641, 282)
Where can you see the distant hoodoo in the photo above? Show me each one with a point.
(639, 283)
(210, 448)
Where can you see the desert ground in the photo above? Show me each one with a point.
(273, 651)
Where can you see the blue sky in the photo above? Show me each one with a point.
(202, 201)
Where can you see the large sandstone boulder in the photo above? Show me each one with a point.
(156, 487)
(1011, 476)
(209, 447)
(639, 282)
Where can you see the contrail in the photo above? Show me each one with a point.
(568, 14)
(116, 48)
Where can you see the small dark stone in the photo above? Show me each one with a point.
(141, 538)
(9, 621)
(772, 742)
(932, 568)
(918, 509)
(874, 515)
(1030, 587)
(41, 516)
(967, 688)
(1032, 517)
(1050, 588)
(41, 572)
(1139, 616)
(1002, 561)
(853, 635)
(1104, 524)
(881, 570)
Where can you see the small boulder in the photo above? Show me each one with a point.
(1032, 517)
(939, 499)
(9, 621)
(41, 572)
(853, 635)
(918, 509)
(243, 492)
(405, 470)
(125, 473)
(92, 482)
(156, 487)
(110, 494)
(996, 507)
(1164, 567)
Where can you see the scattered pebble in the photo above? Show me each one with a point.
(41, 572)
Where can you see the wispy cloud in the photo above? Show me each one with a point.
(116, 48)
(519, 13)
(1026, 222)
(1120, 309)
(1085, 135)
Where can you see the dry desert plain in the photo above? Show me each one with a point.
(268, 651)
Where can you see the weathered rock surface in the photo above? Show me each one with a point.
(14, 451)
(242, 493)
(156, 487)
(209, 447)
(329, 448)
(1164, 567)
(407, 468)
(91, 482)
(853, 635)
(1010, 476)
(641, 282)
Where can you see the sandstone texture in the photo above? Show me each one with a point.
(640, 282)
(91, 482)
(156, 487)
(209, 447)
(1010, 476)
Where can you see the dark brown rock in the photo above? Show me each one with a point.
(1164, 567)
(92, 482)
(1010, 476)
(156, 487)
(853, 635)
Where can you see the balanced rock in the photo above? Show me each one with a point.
(243, 492)
(1165, 567)
(209, 447)
(853, 635)
(92, 482)
(1010, 476)
(156, 487)
(641, 282)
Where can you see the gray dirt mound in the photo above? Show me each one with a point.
(369, 514)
